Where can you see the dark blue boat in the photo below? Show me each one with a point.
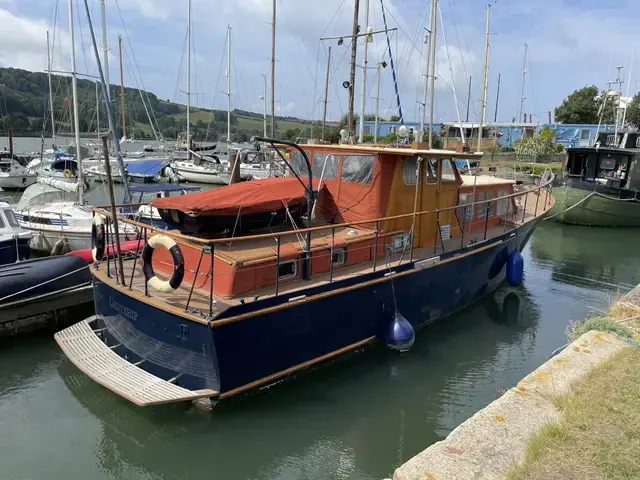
(397, 243)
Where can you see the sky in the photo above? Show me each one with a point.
(571, 44)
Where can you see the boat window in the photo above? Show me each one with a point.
(448, 174)
(503, 203)
(607, 163)
(338, 257)
(585, 134)
(464, 210)
(482, 207)
(410, 171)
(401, 242)
(490, 204)
(319, 162)
(298, 164)
(2, 225)
(432, 170)
(11, 218)
(287, 269)
(357, 168)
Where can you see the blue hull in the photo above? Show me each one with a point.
(263, 347)
(10, 254)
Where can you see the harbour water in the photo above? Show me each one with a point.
(358, 418)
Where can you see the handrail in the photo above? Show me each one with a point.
(319, 228)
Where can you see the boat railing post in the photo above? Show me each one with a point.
(106, 241)
(506, 217)
(375, 248)
(535, 213)
(464, 217)
(195, 279)
(524, 210)
(333, 243)
(146, 281)
(546, 197)
(135, 262)
(486, 219)
(212, 251)
(278, 239)
(437, 233)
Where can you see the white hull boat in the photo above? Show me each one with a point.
(213, 174)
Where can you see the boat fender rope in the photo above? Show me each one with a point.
(166, 286)
(97, 239)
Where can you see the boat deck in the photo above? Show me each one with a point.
(91, 355)
(199, 305)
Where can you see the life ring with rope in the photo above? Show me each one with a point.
(163, 286)
(67, 173)
(98, 235)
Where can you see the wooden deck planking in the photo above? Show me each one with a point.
(87, 352)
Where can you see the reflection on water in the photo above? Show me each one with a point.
(358, 418)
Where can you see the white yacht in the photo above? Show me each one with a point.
(14, 240)
(14, 173)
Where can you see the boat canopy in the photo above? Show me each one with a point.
(150, 167)
(40, 194)
(240, 198)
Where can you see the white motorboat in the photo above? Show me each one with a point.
(14, 240)
(59, 224)
(99, 173)
(201, 172)
(14, 174)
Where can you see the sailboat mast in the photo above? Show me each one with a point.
(326, 94)
(432, 69)
(273, 70)
(364, 70)
(124, 121)
(105, 48)
(189, 78)
(352, 75)
(485, 79)
(53, 120)
(76, 116)
(264, 99)
(425, 93)
(524, 75)
(228, 84)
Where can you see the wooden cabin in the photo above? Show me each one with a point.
(381, 194)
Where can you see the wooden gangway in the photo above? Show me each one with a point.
(86, 351)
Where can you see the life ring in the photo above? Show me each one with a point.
(67, 173)
(97, 239)
(166, 286)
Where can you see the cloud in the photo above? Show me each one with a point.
(24, 41)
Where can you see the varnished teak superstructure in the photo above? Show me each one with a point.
(255, 308)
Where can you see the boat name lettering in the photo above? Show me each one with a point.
(126, 311)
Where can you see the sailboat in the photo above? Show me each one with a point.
(53, 209)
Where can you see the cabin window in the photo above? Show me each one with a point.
(2, 225)
(339, 256)
(448, 173)
(357, 168)
(503, 203)
(482, 207)
(298, 164)
(11, 218)
(326, 161)
(490, 204)
(584, 135)
(400, 243)
(607, 163)
(287, 269)
(465, 210)
(410, 171)
(432, 170)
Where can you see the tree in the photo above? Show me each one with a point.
(394, 118)
(540, 144)
(633, 111)
(345, 119)
(583, 107)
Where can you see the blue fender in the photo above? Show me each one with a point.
(515, 268)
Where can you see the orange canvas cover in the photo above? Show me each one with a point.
(248, 197)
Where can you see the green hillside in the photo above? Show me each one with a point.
(23, 96)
